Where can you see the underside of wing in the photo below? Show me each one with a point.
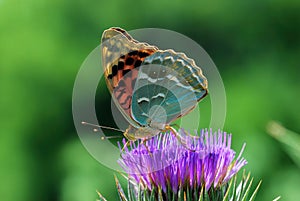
(169, 85)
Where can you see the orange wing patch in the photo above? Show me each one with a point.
(120, 54)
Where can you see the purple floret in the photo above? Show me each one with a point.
(206, 160)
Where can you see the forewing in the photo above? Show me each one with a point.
(121, 54)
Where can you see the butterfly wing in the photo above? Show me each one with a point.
(121, 54)
(169, 85)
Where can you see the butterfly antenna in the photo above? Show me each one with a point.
(104, 127)
(110, 137)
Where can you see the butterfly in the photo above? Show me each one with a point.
(150, 87)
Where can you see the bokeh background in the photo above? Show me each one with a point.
(255, 45)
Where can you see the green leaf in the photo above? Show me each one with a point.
(139, 193)
(145, 195)
(227, 192)
(245, 194)
(121, 193)
(289, 139)
(255, 191)
(131, 191)
(201, 194)
(160, 196)
(235, 190)
(152, 194)
(188, 194)
(101, 198)
(244, 183)
(276, 199)
(179, 195)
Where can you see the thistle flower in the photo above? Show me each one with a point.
(201, 168)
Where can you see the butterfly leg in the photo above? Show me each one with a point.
(175, 125)
(179, 137)
(175, 133)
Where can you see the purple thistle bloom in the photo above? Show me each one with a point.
(205, 161)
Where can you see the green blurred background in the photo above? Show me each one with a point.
(255, 45)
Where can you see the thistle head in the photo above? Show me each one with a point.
(162, 164)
